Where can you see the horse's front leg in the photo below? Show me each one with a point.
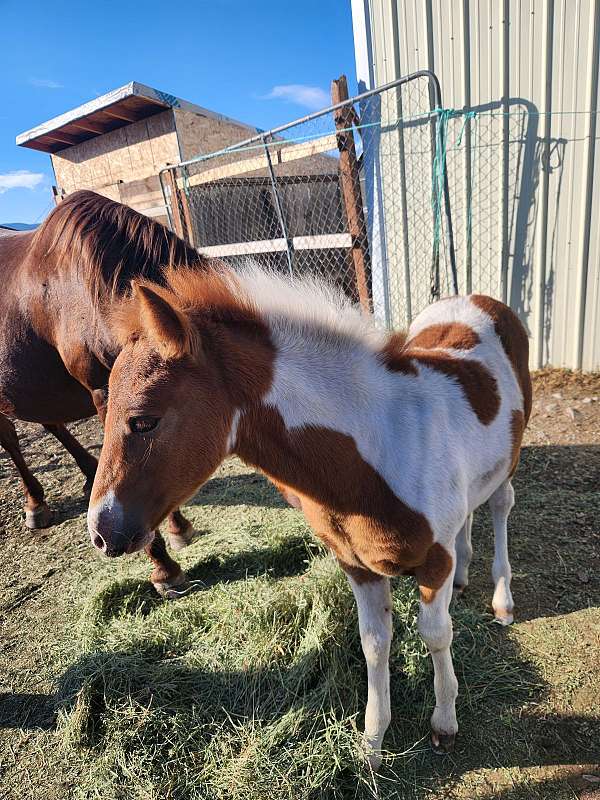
(86, 462)
(181, 531)
(374, 603)
(167, 575)
(435, 579)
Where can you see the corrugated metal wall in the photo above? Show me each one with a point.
(525, 169)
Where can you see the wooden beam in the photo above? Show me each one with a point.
(65, 138)
(123, 115)
(92, 127)
(176, 216)
(326, 241)
(187, 217)
(279, 155)
(350, 185)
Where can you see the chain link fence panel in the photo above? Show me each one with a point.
(356, 194)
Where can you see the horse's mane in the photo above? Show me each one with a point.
(305, 308)
(109, 243)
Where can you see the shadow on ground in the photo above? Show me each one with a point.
(499, 724)
(251, 489)
(27, 711)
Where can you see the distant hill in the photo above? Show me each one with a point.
(19, 226)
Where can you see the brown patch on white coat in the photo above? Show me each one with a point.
(387, 443)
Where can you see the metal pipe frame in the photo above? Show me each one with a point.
(260, 139)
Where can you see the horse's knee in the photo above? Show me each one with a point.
(503, 498)
(376, 642)
(435, 630)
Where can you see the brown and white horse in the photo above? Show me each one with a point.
(56, 347)
(387, 442)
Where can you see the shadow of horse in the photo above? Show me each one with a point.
(166, 694)
(234, 490)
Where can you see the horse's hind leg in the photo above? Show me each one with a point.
(464, 554)
(37, 513)
(180, 529)
(500, 504)
(167, 574)
(86, 462)
(435, 627)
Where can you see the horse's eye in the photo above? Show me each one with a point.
(142, 424)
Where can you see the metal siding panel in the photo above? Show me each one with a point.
(536, 179)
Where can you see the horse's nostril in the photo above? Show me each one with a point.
(99, 542)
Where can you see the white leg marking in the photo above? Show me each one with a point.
(464, 554)
(500, 504)
(374, 603)
(435, 626)
(232, 438)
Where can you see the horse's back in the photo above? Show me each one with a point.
(481, 328)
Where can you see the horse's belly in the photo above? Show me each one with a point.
(34, 384)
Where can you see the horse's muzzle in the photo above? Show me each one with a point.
(112, 532)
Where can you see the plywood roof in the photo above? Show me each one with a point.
(112, 110)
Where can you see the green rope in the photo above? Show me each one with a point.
(438, 175)
(439, 166)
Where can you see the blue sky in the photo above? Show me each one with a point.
(260, 61)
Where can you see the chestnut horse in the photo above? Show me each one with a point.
(57, 349)
(387, 442)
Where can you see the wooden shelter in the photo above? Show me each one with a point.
(116, 144)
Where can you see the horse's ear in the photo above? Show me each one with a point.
(167, 327)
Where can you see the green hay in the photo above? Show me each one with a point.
(255, 683)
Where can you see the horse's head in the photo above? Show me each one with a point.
(167, 424)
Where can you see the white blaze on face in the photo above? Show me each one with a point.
(106, 512)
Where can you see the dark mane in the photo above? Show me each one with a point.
(109, 243)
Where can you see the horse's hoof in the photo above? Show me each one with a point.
(183, 538)
(458, 589)
(371, 748)
(38, 517)
(373, 761)
(442, 743)
(503, 617)
(172, 588)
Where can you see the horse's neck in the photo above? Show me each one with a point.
(339, 384)
(326, 413)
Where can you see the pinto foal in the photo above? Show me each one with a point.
(387, 442)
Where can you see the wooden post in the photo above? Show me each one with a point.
(350, 184)
(176, 216)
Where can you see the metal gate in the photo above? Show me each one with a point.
(356, 193)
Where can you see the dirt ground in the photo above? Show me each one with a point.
(555, 554)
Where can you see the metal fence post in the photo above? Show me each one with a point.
(289, 247)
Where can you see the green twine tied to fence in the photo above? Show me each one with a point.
(437, 189)
(444, 115)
